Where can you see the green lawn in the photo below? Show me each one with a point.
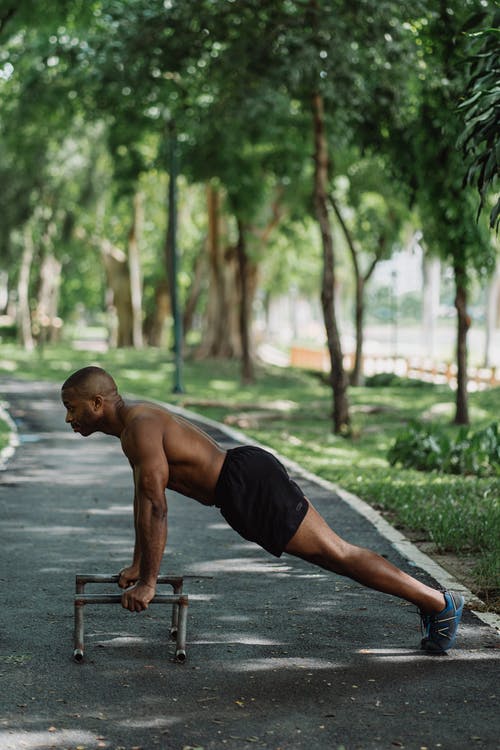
(4, 433)
(289, 410)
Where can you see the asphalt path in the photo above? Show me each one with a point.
(281, 655)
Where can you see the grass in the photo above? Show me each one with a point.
(4, 433)
(289, 411)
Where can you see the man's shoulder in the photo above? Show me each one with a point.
(140, 412)
(144, 420)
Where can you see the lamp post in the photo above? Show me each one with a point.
(173, 258)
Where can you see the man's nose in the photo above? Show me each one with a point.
(68, 418)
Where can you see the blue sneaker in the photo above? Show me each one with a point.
(440, 630)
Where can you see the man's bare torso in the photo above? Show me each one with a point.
(194, 459)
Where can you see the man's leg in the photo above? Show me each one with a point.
(315, 542)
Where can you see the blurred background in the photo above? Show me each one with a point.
(283, 215)
(296, 182)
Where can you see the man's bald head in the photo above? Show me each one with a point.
(90, 382)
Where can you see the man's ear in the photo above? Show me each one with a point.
(97, 403)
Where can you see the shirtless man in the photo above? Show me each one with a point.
(250, 487)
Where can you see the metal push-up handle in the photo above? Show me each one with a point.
(178, 600)
(175, 581)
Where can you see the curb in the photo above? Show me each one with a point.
(9, 450)
(403, 545)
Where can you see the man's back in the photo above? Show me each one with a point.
(194, 459)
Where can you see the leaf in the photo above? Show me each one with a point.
(495, 215)
(474, 20)
(491, 167)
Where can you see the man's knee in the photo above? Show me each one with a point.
(331, 553)
(337, 555)
(316, 541)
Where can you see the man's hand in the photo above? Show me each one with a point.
(137, 598)
(128, 576)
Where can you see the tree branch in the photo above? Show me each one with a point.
(5, 18)
(347, 234)
(371, 268)
(276, 215)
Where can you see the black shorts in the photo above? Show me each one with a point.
(258, 499)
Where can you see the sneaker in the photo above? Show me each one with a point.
(439, 630)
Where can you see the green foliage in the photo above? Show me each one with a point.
(379, 203)
(421, 139)
(8, 332)
(458, 514)
(4, 433)
(430, 448)
(101, 80)
(390, 380)
(480, 109)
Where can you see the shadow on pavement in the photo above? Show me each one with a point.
(281, 654)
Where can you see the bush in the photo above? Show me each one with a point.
(390, 380)
(431, 449)
(8, 332)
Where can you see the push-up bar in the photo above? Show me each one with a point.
(178, 600)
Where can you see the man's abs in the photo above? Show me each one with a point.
(197, 479)
(195, 460)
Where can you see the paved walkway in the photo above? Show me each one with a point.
(280, 654)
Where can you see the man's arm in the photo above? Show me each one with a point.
(130, 574)
(143, 445)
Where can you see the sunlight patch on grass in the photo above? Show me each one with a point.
(4, 433)
(8, 365)
(221, 385)
(477, 413)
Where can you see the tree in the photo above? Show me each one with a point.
(23, 311)
(37, 132)
(446, 208)
(480, 137)
(338, 377)
(305, 62)
(342, 80)
(375, 217)
(255, 90)
(421, 142)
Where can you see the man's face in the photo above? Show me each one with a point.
(81, 413)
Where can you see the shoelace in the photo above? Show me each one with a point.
(441, 625)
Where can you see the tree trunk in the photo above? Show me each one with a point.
(118, 277)
(462, 411)
(134, 267)
(359, 315)
(221, 331)
(198, 276)
(23, 312)
(217, 342)
(48, 323)
(356, 375)
(214, 248)
(341, 420)
(247, 369)
(154, 324)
